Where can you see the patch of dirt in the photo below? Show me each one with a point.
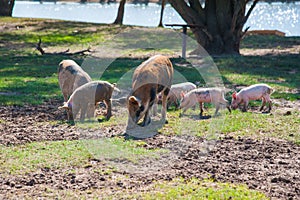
(271, 51)
(271, 166)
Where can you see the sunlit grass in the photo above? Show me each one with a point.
(200, 189)
(33, 156)
(30, 157)
(250, 124)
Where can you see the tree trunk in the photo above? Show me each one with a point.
(120, 15)
(218, 24)
(163, 3)
(6, 7)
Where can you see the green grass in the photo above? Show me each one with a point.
(179, 188)
(119, 148)
(250, 124)
(27, 77)
(277, 71)
(61, 154)
(36, 155)
(201, 189)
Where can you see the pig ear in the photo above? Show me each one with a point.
(182, 94)
(114, 85)
(134, 100)
(234, 95)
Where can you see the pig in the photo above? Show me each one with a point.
(70, 77)
(87, 97)
(151, 77)
(253, 92)
(175, 93)
(203, 95)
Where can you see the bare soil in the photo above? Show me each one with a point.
(271, 166)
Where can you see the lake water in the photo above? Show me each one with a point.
(280, 16)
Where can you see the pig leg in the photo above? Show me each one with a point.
(228, 107)
(65, 97)
(147, 119)
(108, 109)
(267, 98)
(91, 111)
(154, 108)
(246, 102)
(270, 106)
(263, 103)
(201, 108)
(225, 102)
(183, 111)
(75, 110)
(70, 114)
(83, 111)
(217, 109)
(164, 105)
(168, 103)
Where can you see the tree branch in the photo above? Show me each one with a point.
(249, 11)
(39, 48)
(187, 13)
(244, 33)
(66, 52)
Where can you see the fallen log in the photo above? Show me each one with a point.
(66, 52)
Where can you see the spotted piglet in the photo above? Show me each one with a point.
(203, 95)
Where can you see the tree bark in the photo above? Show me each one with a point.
(120, 15)
(218, 23)
(6, 7)
(163, 3)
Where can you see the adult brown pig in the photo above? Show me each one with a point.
(150, 78)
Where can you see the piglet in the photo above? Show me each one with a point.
(253, 92)
(203, 95)
(175, 93)
(86, 97)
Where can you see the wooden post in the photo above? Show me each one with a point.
(184, 36)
